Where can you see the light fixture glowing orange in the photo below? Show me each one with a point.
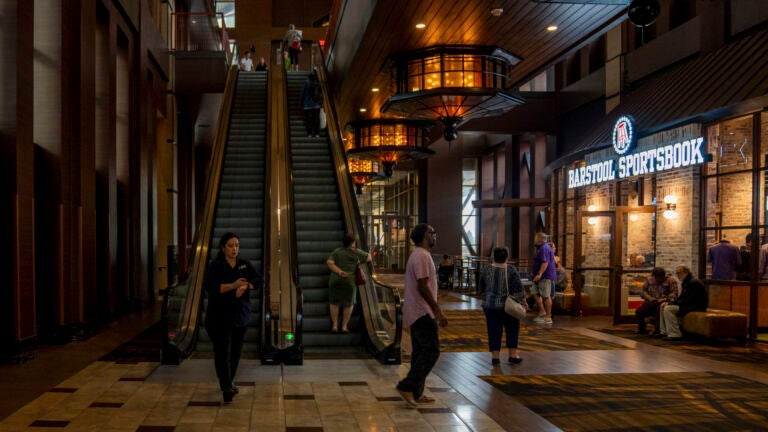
(389, 141)
(363, 172)
(452, 84)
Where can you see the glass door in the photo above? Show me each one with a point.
(389, 241)
(637, 256)
(594, 271)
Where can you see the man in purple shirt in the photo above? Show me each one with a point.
(544, 277)
(725, 259)
(422, 314)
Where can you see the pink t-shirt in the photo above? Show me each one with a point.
(420, 265)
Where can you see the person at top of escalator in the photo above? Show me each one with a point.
(246, 63)
(261, 65)
(292, 45)
(342, 287)
(228, 282)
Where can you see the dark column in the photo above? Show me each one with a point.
(17, 274)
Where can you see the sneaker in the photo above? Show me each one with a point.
(540, 318)
(547, 321)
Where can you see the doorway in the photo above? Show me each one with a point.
(594, 251)
(636, 248)
(388, 240)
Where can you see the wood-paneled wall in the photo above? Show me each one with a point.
(82, 238)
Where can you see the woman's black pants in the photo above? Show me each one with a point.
(227, 345)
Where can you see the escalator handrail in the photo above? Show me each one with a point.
(280, 195)
(265, 335)
(186, 334)
(299, 303)
(351, 210)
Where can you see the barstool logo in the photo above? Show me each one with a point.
(623, 134)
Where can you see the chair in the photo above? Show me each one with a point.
(445, 276)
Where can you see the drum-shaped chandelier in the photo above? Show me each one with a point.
(388, 141)
(451, 84)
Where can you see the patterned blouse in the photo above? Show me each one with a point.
(493, 289)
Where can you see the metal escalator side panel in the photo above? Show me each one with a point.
(381, 304)
(283, 295)
(187, 299)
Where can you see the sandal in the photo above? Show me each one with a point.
(424, 399)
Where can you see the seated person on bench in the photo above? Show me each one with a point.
(562, 276)
(693, 297)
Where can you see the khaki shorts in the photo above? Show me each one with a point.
(542, 287)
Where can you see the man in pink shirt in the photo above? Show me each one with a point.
(422, 314)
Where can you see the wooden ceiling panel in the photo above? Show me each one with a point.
(521, 30)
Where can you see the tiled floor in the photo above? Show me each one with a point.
(67, 388)
(322, 395)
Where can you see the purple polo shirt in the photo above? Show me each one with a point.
(725, 258)
(544, 254)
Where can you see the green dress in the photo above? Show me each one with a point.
(342, 291)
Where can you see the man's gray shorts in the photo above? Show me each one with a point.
(542, 287)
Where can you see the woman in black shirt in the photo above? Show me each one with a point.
(228, 282)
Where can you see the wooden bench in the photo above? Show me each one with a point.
(564, 301)
(716, 323)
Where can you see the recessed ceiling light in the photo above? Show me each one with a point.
(363, 110)
(375, 89)
(420, 25)
(552, 28)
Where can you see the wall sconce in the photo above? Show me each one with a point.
(671, 211)
(592, 220)
(634, 217)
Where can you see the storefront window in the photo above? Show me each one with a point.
(729, 200)
(728, 196)
(730, 144)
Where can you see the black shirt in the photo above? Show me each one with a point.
(693, 297)
(226, 310)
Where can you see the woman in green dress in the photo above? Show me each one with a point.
(341, 285)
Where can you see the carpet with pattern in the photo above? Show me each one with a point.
(680, 401)
(753, 354)
(467, 332)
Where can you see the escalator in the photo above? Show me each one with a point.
(302, 201)
(324, 208)
(240, 206)
(234, 201)
(319, 224)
